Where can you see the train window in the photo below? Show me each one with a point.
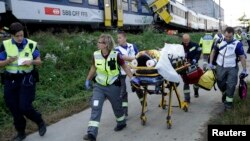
(76, 1)
(145, 9)
(171, 9)
(93, 2)
(182, 14)
(125, 5)
(134, 6)
(178, 12)
(134, 1)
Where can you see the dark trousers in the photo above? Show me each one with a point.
(227, 79)
(124, 94)
(248, 42)
(19, 93)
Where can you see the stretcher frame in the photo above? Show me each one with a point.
(163, 103)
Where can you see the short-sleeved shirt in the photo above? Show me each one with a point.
(20, 46)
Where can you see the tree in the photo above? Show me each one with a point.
(245, 21)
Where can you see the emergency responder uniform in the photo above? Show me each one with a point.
(238, 36)
(107, 86)
(131, 51)
(227, 69)
(206, 44)
(19, 85)
(192, 54)
(248, 42)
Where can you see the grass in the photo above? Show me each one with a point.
(66, 61)
(240, 114)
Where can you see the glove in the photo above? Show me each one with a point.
(194, 61)
(135, 80)
(87, 84)
(211, 66)
(243, 74)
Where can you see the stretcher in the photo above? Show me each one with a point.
(149, 77)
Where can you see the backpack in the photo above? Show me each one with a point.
(192, 75)
(207, 80)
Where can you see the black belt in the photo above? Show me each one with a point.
(8, 75)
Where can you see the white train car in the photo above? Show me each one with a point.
(2, 7)
(212, 23)
(133, 12)
(192, 20)
(178, 13)
(116, 13)
(201, 22)
(208, 23)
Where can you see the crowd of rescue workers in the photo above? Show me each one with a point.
(109, 70)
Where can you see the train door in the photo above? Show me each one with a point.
(206, 26)
(113, 13)
(189, 20)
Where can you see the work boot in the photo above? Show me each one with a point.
(223, 98)
(120, 127)
(42, 128)
(248, 51)
(20, 136)
(89, 137)
(228, 106)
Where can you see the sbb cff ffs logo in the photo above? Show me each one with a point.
(52, 11)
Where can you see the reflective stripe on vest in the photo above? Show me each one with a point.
(12, 50)
(227, 57)
(106, 69)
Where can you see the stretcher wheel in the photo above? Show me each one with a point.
(185, 108)
(143, 120)
(169, 124)
(164, 106)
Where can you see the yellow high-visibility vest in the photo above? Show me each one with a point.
(12, 50)
(107, 69)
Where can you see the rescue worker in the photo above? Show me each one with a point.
(128, 52)
(192, 54)
(218, 37)
(248, 42)
(227, 66)
(206, 43)
(238, 35)
(18, 56)
(106, 65)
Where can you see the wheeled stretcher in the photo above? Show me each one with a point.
(151, 82)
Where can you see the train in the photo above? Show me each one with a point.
(103, 13)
